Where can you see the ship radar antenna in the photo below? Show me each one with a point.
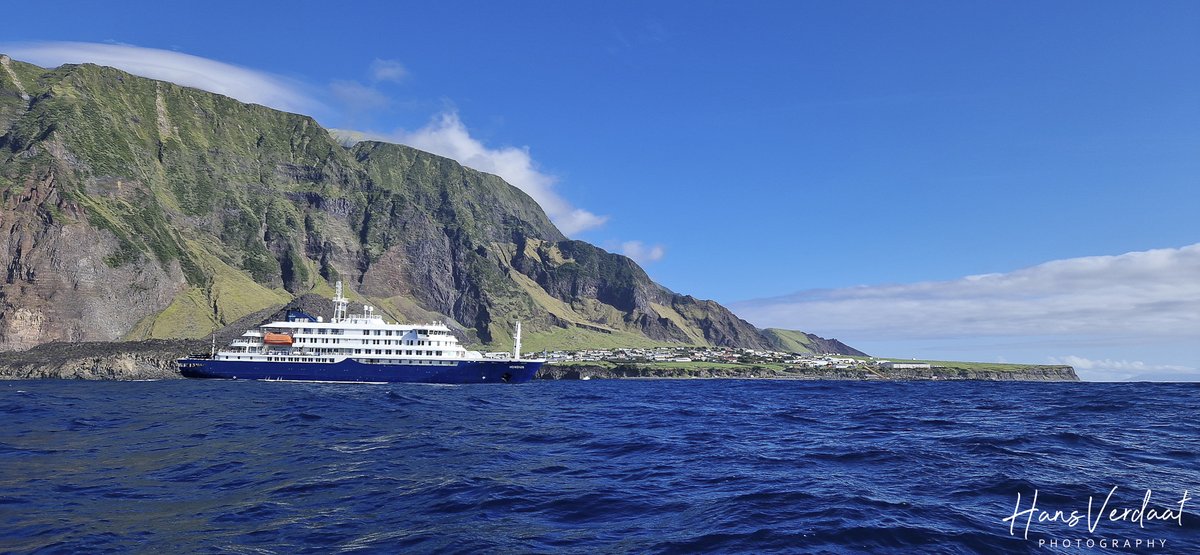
(340, 304)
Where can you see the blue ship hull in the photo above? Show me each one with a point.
(472, 371)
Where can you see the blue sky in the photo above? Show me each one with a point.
(808, 163)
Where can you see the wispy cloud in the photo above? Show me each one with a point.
(642, 253)
(1152, 294)
(244, 84)
(446, 135)
(357, 97)
(388, 70)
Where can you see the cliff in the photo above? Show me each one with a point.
(136, 209)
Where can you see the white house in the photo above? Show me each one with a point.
(905, 366)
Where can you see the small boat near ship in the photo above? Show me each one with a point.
(359, 348)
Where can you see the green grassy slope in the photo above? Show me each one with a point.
(251, 207)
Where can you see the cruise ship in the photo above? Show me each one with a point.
(358, 348)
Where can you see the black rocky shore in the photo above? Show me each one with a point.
(1031, 373)
(155, 360)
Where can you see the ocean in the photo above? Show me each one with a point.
(623, 466)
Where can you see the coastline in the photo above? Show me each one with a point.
(119, 361)
(1028, 373)
(155, 360)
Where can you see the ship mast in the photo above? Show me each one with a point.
(340, 304)
(517, 342)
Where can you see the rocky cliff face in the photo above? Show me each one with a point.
(136, 209)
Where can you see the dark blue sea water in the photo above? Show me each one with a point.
(593, 467)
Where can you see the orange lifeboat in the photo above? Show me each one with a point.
(277, 338)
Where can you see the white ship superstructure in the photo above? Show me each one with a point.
(365, 338)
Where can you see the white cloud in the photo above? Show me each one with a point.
(447, 136)
(1148, 294)
(388, 70)
(241, 83)
(641, 253)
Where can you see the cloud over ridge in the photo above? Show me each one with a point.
(642, 253)
(446, 135)
(246, 85)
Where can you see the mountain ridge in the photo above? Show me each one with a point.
(141, 209)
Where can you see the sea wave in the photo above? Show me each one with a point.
(582, 467)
